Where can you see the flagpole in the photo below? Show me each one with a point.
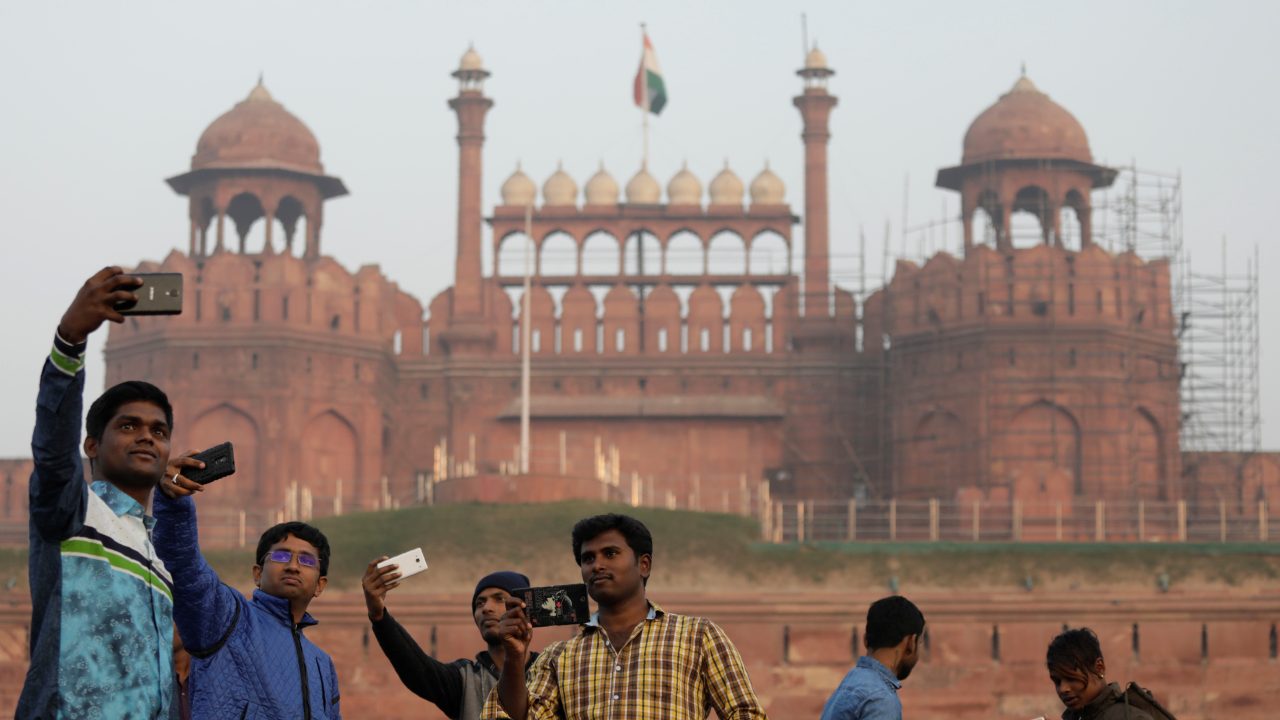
(644, 107)
(526, 334)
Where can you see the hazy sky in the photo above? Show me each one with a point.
(104, 99)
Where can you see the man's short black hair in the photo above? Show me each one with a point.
(891, 619)
(109, 402)
(1076, 650)
(302, 531)
(636, 534)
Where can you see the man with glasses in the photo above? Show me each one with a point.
(249, 658)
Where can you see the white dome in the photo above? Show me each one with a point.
(560, 190)
(471, 60)
(519, 189)
(726, 188)
(815, 60)
(643, 189)
(767, 188)
(602, 189)
(684, 188)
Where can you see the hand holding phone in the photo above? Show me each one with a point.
(96, 302)
(408, 563)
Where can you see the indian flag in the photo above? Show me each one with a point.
(650, 90)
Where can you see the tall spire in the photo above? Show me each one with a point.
(815, 105)
(471, 107)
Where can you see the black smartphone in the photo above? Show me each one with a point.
(555, 604)
(159, 294)
(219, 462)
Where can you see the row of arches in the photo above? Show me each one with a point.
(1039, 454)
(257, 228)
(682, 253)
(1032, 216)
(665, 320)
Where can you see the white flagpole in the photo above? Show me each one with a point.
(526, 333)
(644, 106)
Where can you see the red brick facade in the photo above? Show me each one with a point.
(663, 372)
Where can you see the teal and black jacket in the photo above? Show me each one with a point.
(101, 601)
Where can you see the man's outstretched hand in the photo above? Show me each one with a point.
(96, 302)
(376, 582)
(174, 484)
(515, 629)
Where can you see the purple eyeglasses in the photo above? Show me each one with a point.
(284, 556)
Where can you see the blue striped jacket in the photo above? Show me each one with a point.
(101, 601)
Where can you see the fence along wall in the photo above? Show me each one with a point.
(983, 521)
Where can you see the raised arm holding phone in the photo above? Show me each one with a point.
(249, 657)
(102, 607)
(458, 688)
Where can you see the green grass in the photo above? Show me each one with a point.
(710, 551)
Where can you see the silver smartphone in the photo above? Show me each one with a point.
(159, 294)
(410, 563)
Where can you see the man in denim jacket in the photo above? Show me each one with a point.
(870, 690)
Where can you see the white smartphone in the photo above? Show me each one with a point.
(410, 563)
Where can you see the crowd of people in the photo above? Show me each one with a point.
(129, 620)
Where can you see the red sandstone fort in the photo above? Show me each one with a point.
(678, 356)
(681, 359)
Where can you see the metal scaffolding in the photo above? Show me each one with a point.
(1217, 310)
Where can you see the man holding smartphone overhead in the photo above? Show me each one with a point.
(458, 688)
(101, 601)
(249, 658)
(632, 659)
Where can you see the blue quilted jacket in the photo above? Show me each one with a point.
(248, 659)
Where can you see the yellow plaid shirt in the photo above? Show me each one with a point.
(672, 667)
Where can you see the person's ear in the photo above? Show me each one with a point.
(91, 448)
(257, 576)
(320, 585)
(911, 645)
(646, 565)
(1100, 667)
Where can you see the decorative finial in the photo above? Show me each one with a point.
(1024, 68)
(260, 74)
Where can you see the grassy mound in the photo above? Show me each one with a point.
(704, 552)
(712, 551)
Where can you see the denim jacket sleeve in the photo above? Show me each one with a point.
(58, 494)
(203, 607)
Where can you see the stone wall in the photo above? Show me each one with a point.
(1207, 655)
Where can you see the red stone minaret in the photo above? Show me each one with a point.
(471, 106)
(815, 108)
